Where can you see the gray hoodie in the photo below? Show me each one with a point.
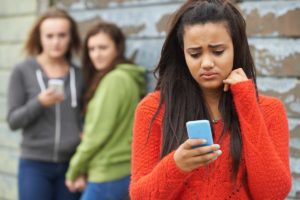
(49, 133)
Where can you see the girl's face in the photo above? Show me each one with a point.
(102, 50)
(208, 51)
(55, 37)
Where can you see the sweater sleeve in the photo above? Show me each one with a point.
(21, 110)
(100, 121)
(152, 178)
(265, 143)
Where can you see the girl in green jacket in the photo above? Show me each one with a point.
(115, 87)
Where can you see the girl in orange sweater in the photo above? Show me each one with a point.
(206, 72)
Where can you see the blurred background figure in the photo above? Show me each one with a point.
(44, 100)
(115, 86)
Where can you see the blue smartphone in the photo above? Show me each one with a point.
(200, 129)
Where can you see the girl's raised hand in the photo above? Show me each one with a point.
(236, 76)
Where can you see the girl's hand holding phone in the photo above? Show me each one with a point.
(50, 97)
(199, 150)
(188, 158)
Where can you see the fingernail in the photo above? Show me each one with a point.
(217, 146)
(204, 141)
(219, 152)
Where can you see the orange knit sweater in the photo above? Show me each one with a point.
(265, 156)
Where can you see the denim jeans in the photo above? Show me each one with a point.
(113, 190)
(38, 180)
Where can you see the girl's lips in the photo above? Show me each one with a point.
(209, 75)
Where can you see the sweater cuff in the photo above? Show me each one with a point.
(173, 173)
(243, 89)
(75, 169)
(244, 93)
(71, 174)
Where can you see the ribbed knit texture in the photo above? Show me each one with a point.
(265, 156)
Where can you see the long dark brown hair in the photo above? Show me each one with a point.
(91, 75)
(181, 94)
(33, 44)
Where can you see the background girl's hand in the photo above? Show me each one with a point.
(188, 158)
(78, 185)
(49, 97)
(236, 76)
(70, 185)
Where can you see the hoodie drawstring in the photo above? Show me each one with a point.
(73, 88)
(39, 77)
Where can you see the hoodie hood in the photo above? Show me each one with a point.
(137, 73)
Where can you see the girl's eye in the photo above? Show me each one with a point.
(218, 53)
(49, 36)
(195, 55)
(103, 47)
(62, 35)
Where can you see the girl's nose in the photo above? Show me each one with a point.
(207, 63)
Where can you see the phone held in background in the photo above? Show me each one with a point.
(57, 85)
(200, 129)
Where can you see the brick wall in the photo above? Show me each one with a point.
(274, 36)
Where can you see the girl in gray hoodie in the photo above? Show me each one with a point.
(48, 114)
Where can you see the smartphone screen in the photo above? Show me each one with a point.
(57, 85)
(200, 129)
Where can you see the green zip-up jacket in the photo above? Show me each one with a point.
(104, 153)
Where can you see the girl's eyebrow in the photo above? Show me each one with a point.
(212, 46)
(194, 48)
(215, 45)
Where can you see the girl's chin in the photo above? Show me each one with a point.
(100, 68)
(57, 55)
(211, 86)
